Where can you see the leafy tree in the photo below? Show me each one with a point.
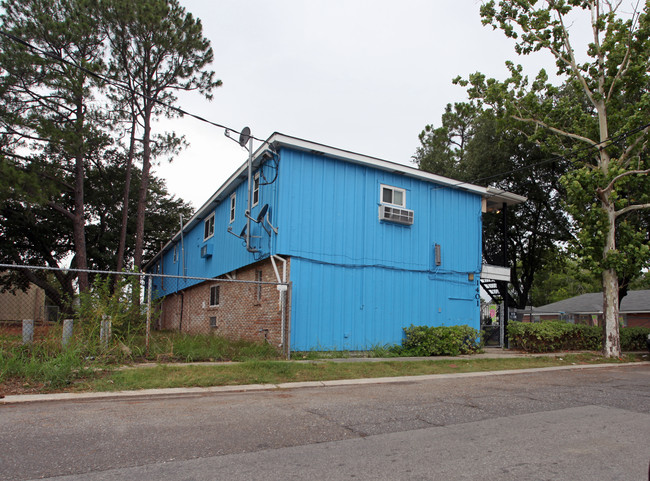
(561, 278)
(473, 145)
(157, 49)
(34, 234)
(602, 127)
(51, 101)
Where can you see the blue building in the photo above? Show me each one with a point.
(367, 246)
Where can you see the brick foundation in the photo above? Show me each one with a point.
(244, 311)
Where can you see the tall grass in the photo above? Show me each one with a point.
(46, 362)
(193, 348)
(40, 363)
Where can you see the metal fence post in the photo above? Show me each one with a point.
(105, 331)
(67, 332)
(148, 330)
(502, 321)
(28, 331)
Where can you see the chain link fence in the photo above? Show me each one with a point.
(132, 308)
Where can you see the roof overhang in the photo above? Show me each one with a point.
(495, 273)
(495, 199)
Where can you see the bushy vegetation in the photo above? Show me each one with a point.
(549, 336)
(118, 302)
(438, 341)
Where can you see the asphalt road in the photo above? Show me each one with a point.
(562, 425)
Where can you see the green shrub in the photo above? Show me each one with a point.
(549, 336)
(634, 338)
(439, 341)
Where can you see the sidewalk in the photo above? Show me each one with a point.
(491, 353)
(198, 391)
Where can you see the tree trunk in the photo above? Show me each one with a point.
(144, 188)
(611, 340)
(78, 219)
(125, 206)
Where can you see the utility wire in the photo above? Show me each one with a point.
(118, 84)
(227, 129)
(555, 158)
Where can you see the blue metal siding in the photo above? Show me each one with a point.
(336, 307)
(228, 252)
(357, 280)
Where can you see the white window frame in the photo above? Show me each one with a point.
(218, 288)
(233, 206)
(393, 189)
(175, 253)
(208, 227)
(256, 188)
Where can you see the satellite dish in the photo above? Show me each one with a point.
(243, 231)
(244, 136)
(260, 216)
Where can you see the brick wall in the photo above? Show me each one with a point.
(244, 311)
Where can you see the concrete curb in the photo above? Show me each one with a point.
(199, 391)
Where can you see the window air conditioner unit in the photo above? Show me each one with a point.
(395, 214)
(206, 250)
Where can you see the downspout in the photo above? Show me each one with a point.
(182, 248)
(180, 322)
(282, 288)
(250, 197)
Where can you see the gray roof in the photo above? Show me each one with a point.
(633, 302)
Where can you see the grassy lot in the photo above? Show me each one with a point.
(86, 365)
(275, 372)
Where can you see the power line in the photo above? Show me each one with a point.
(183, 112)
(556, 158)
(118, 84)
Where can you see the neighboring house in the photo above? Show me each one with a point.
(369, 247)
(20, 305)
(588, 309)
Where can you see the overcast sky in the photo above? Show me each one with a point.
(364, 76)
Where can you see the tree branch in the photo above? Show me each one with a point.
(620, 176)
(556, 130)
(633, 145)
(630, 208)
(61, 210)
(574, 64)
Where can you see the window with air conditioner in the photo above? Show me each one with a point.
(392, 205)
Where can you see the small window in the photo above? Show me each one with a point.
(214, 296)
(176, 253)
(392, 195)
(258, 278)
(233, 204)
(208, 227)
(256, 189)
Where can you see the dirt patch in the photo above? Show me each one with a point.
(13, 387)
(13, 331)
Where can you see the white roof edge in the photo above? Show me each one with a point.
(374, 161)
(295, 142)
(507, 197)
